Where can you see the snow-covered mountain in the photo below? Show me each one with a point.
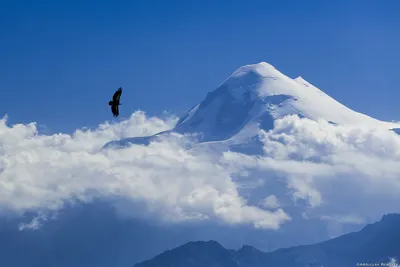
(253, 97)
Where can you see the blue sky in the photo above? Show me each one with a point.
(60, 61)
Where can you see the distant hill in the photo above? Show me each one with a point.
(375, 245)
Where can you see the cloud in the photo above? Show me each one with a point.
(271, 202)
(42, 172)
(392, 262)
(346, 173)
(34, 224)
(337, 174)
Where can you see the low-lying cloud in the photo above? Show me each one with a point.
(41, 172)
(344, 174)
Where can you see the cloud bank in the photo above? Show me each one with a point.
(41, 172)
(341, 174)
(345, 174)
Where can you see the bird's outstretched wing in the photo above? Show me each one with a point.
(115, 110)
(117, 96)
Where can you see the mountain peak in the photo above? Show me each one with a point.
(391, 218)
(256, 95)
(249, 250)
(209, 243)
(259, 93)
(263, 69)
(301, 80)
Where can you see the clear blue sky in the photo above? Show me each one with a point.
(60, 61)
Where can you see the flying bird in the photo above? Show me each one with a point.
(115, 102)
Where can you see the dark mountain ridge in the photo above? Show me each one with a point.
(375, 245)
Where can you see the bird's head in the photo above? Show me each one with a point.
(110, 103)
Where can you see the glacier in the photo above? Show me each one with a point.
(252, 98)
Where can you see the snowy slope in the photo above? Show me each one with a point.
(254, 92)
(258, 94)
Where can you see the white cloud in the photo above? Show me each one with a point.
(344, 219)
(344, 174)
(392, 262)
(40, 172)
(271, 202)
(34, 224)
(341, 171)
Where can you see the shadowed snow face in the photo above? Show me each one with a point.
(344, 174)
